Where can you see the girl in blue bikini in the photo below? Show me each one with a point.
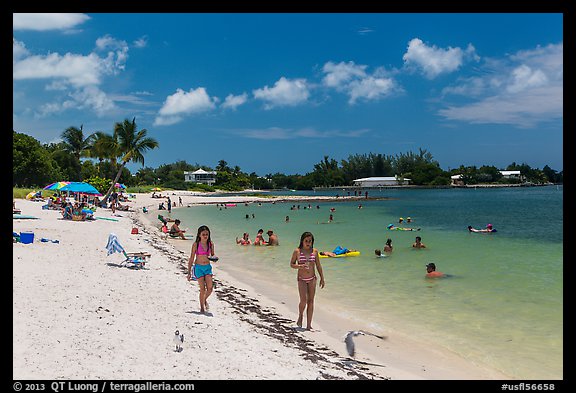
(305, 258)
(201, 255)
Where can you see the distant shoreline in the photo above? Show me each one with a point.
(427, 187)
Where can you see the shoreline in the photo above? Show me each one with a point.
(251, 334)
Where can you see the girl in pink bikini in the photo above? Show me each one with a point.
(201, 255)
(305, 258)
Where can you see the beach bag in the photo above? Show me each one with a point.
(134, 231)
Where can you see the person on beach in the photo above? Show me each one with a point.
(388, 246)
(175, 230)
(305, 258)
(202, 250)
(418, 243)
(272, 238)
(431, 271)
(259, 240)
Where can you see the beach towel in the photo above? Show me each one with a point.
(340, 250)
(113, 244)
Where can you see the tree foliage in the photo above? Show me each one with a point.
(105, 157)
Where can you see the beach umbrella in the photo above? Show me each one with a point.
(81, 187)
(120, 185)
(57, 185)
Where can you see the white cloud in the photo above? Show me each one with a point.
(353, 80)
(141, 42)
(339, 75)
(89, 97)
(370, 89)
(306, 132)
(524, 89)
(117, 51)
(184, 103)
(433, 61)
(19, 50)
(284, 93)
(524, 77)
(233, 102)
(75, 75)
(524, 110)
(77, 70)
(43, 22)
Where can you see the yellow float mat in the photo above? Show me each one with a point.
(348, 254)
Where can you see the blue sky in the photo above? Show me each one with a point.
(277, 92)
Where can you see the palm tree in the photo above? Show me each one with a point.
(103, 146)
(76, 145)
(131, 146)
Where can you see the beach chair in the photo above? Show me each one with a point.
(136, 260)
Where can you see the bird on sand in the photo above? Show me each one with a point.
(349, 339)
(178, 340)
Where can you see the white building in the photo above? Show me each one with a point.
(511, 175)
(201, 176)
(456, 180)
(381, 181)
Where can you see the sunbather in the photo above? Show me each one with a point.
(175, 230)
(66, 211)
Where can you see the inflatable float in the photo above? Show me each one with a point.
(230, 205)
(347, 254)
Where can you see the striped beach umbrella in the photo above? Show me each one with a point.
(57, 185)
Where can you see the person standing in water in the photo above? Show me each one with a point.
(388, 246)
(305, 258)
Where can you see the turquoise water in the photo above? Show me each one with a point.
(502, 304)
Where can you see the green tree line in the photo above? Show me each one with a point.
(100, 159)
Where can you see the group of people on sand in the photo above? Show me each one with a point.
(259, 240)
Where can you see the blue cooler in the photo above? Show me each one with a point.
(26, 237)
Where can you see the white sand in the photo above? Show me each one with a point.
(79, 314)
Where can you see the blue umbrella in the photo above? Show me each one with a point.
(80, 187)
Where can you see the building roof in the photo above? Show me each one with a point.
(389, 178)
(508, 173)
(200, 172)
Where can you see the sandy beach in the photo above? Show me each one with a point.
(80, 314)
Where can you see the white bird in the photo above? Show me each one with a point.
(348, 339)
(178, 340)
